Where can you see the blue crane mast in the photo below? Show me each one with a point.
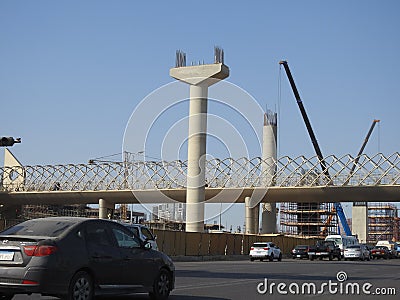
(337, 205)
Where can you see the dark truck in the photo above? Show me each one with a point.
(324, 249)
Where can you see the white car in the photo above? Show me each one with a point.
(144, 234)
(356, 252)
(265, 250)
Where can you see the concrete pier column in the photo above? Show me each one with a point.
(251, 216)
(360, 221)
(269, 155)
(199, 77)
(106, 209)
(195, 194)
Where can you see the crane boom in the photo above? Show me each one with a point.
(363, 145)
(354, 167)
(305, 118)
(338, 206)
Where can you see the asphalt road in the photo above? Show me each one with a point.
(217, 280)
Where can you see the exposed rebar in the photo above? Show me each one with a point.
(180, 59)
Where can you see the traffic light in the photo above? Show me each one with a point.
(7, 141)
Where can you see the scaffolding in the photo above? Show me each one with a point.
(41, 211)
(383, 222)
(308, 219)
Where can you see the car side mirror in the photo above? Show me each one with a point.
(147, 245)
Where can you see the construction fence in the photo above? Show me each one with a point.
(180, 243)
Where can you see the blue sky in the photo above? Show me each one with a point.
(72, 72)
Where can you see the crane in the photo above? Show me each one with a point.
(337, 205)
(362, 149)
(354, 166)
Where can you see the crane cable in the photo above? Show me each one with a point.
(279, 108)
(379, 137)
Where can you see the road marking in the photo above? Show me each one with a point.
(218, 284)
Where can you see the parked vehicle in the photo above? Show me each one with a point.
(356, 252)
(369, 248)
(324, 249)
(398, 251)
(380, 252)
(79, 258)
(265, 250)
(300, 251)
(144, 233)
(342, 241)
(392, 246)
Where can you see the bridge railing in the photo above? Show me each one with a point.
(226, 173)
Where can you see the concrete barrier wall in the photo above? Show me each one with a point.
(179, 243)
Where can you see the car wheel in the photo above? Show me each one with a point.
(271, 257)
(161, 286)
(261, 259)
(251, 259)
(330, 257)
(80, 287)
(280, 257)
(311, 257)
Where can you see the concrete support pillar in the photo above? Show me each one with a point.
(252, 217)
(200, 78)
(106, 209)
(268, 218)
(359, 224)
(269, 155)
(195, 195)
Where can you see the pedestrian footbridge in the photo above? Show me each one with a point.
(374, 178)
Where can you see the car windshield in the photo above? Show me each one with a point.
(146, 232)
(301, 247)
(260, 245)
(353, 247)
(337, 240)
(38, 227)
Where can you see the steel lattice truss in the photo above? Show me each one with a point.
(226, 173)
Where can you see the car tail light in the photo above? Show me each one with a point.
(252, 248)
(42, 250)
(266, 248)
(29, 282)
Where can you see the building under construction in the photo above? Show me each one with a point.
(308, 219)
(41, 211)
(383, 222)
